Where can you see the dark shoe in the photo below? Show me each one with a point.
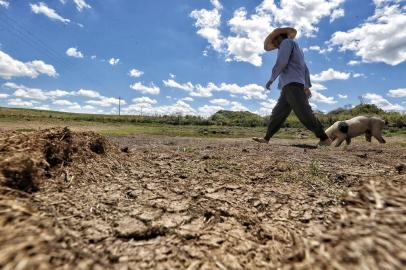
(326, 142)
(260, 140)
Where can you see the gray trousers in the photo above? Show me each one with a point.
(294, 98)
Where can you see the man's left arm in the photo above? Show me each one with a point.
(308, 83)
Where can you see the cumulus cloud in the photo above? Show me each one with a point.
(208, 23)
(248, 91)
(58, 93)
(379, 38)
(319, 49)
(114, 61)
(17, 102)
(207, 110)
(382, 103)
(266, 107)
(173, 84)
(42, 8)
(135, 73)
(190, 99)
(401, 92)
(178, 108)
(64, 102)
(151, 89)
(73, 52)
(353, 63)
(342, 96)
(145, 100)
(22, 91)
(247, 32)
(10, 67)
(4, 3)
(105, 101)
(318, 97)
(87, 93)
(337, 13)
(330, 74)
(220, 102)
(3, 95)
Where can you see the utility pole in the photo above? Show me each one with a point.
(119, 106)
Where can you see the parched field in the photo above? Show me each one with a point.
(84, 201)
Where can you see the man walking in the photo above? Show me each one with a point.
(294, 80)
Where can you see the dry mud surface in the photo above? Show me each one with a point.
(80, 201)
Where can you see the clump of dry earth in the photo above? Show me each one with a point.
(78, 201)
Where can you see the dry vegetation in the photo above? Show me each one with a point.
(79, 200)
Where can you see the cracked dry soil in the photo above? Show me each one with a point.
(75, 201)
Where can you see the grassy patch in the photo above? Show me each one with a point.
(25, 130)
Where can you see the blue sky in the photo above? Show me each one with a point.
(195, 57)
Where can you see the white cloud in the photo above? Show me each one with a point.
(187, 99)
(73, 52)
(320, 50)
(208, 23)
(357, 75)
(216, 3)
(266, 107)
(303, 15)
(152, 89)
(337, 13)
(4, 3)
(114, 61)
(19, 103)
(144, 100)
(320, 98)
(220, 102)
(87, 93)
(10, 67)
(173, 84)
(380, 38)
(64, 102)
(330, 74)
(237, 106)
(58, 93)
(105, 102)
(353, 63)
(208, 110)
(2, 95)
(382, 103)
(247, 32)
(42, 8)
(317, 97)
(172, 75)
(248, 91)
(180, 107)
(22, 91)
(81, 4)
(135, 73)
(342, 96)
(401, 92)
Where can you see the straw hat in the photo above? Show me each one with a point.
(291, 32)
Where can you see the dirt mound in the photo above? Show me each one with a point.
(27, 159)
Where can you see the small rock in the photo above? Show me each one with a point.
(131, 228)
(400, 167)
(125, 149)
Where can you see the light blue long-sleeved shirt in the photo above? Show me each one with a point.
(290, 65)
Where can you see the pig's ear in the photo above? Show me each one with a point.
(343, 127)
